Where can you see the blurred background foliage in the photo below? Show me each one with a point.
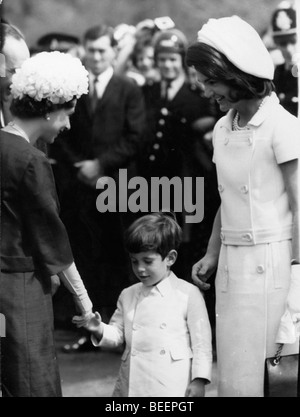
(38, 17)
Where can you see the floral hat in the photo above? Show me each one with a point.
(55, 76)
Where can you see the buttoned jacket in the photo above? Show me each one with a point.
(33, 235)
(167, 338)
(111, 134)
(255, 206)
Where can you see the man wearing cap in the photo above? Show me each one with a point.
(178, 115)
(62, 42)
(284, 33)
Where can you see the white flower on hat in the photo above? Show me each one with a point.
(55, 76)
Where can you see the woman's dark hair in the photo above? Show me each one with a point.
(139, 47)
(158, 232)
(28, 108)
(215, 66)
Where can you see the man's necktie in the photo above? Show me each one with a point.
(94, 97)
(165, 91)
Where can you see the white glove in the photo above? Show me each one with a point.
(293, 298)
(73, 282)
(289, 328)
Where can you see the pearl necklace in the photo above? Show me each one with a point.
(12, 127)
(235, 121)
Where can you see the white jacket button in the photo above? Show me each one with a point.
(247, 237)
(244, 189)
(220, 188)
(260, 269)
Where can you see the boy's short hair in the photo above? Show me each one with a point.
(157, 232)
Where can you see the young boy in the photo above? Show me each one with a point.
(162, 320)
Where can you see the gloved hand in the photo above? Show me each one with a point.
(289, 328)
(293, 299)
(73, 282)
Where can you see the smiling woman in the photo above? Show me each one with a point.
(255, 235)
(34, 247)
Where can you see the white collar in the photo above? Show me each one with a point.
(13, 128)
(103, 79)
(163, 287)
(258, 118)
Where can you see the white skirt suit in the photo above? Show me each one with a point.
(253, 273)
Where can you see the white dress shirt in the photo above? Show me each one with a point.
(103, 80)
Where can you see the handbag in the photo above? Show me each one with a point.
(282, 375)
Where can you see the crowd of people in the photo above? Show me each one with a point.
(144, 100)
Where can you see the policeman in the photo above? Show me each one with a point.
(56, 41)
(177, 113)
(284, 33)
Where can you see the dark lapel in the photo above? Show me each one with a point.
(86, 104)
(110, 90)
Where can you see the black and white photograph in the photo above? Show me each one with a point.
(150, 209)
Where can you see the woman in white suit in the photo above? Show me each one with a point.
(255, 237)
(162, 320)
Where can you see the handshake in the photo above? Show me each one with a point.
(93, 324)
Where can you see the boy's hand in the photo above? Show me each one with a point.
(196, 388)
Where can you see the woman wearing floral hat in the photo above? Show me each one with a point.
(34, 244)
(254, 244)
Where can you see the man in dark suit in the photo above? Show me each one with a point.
(105, 133)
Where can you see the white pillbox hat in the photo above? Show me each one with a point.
(240, 43)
